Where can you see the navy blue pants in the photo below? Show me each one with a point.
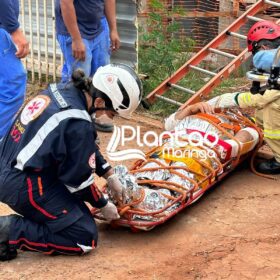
(53, 220)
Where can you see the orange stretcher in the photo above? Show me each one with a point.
(194, 176)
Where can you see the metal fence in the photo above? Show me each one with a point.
(45, 59)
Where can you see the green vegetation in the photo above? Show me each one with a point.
(162, 51)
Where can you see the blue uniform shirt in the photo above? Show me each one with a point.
(55, 136)
(9, 13)
(89, 14)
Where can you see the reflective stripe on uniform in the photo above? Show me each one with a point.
(86, 249)
(246, 98)
(85, 184)
(272, 134)
(51, 124)
(104, 166)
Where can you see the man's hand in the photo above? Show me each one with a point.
(21, 43)
(110, 212)
(201, 107)
(78, 49)
(70, 20)
(115, 40)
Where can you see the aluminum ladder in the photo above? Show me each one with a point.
(217, 78)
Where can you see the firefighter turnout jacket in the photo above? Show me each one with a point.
(267, 115)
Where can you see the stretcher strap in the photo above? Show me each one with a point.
(235, 127)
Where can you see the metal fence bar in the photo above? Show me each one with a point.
(45, 61)
(46, 41)
(31, 41)
(38, 41)
(54, 41)
(23, 26)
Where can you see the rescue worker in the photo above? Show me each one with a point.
(48, 159)
(13, 47)
(262, 36)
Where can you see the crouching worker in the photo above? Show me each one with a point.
(48, 159)
(263, 40)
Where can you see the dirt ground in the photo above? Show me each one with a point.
(232, 232)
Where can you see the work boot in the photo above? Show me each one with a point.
(104, 123)
(6, 252)
(269, 167)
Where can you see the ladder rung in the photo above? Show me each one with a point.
(187, 90)
(203, 70)
(236, 35)
(222, 53)
(272, 3)
(254, 18)
(169, 100)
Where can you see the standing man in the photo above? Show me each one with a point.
(82, 33)
(13, 47)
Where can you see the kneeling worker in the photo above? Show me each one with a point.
(48, 159)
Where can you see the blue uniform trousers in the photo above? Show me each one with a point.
(12, 82)
(53, 220)
(97, 53)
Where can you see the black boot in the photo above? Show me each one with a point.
(6, 253)
(269, 167)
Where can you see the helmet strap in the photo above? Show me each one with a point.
(256, 47)
(94, 110)
(104, 109)
(94, 93)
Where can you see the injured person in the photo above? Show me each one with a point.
(199, 148)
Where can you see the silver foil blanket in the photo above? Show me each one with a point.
(150, 197)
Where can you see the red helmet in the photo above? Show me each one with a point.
(262, 30)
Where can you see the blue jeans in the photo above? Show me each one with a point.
(97, 53)
(12, 82)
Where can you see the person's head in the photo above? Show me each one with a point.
(114, 89)
(263, 35)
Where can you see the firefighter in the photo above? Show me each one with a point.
(263, 38)
(48, 159)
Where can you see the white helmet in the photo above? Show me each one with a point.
(122, 86)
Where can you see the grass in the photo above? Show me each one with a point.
(161, 109)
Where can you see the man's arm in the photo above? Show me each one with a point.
(70, 20)
(9, 20)
(244, 100)
(110, 13)
(174, 119)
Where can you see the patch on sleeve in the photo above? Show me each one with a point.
(91, 161)
(34, 108)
